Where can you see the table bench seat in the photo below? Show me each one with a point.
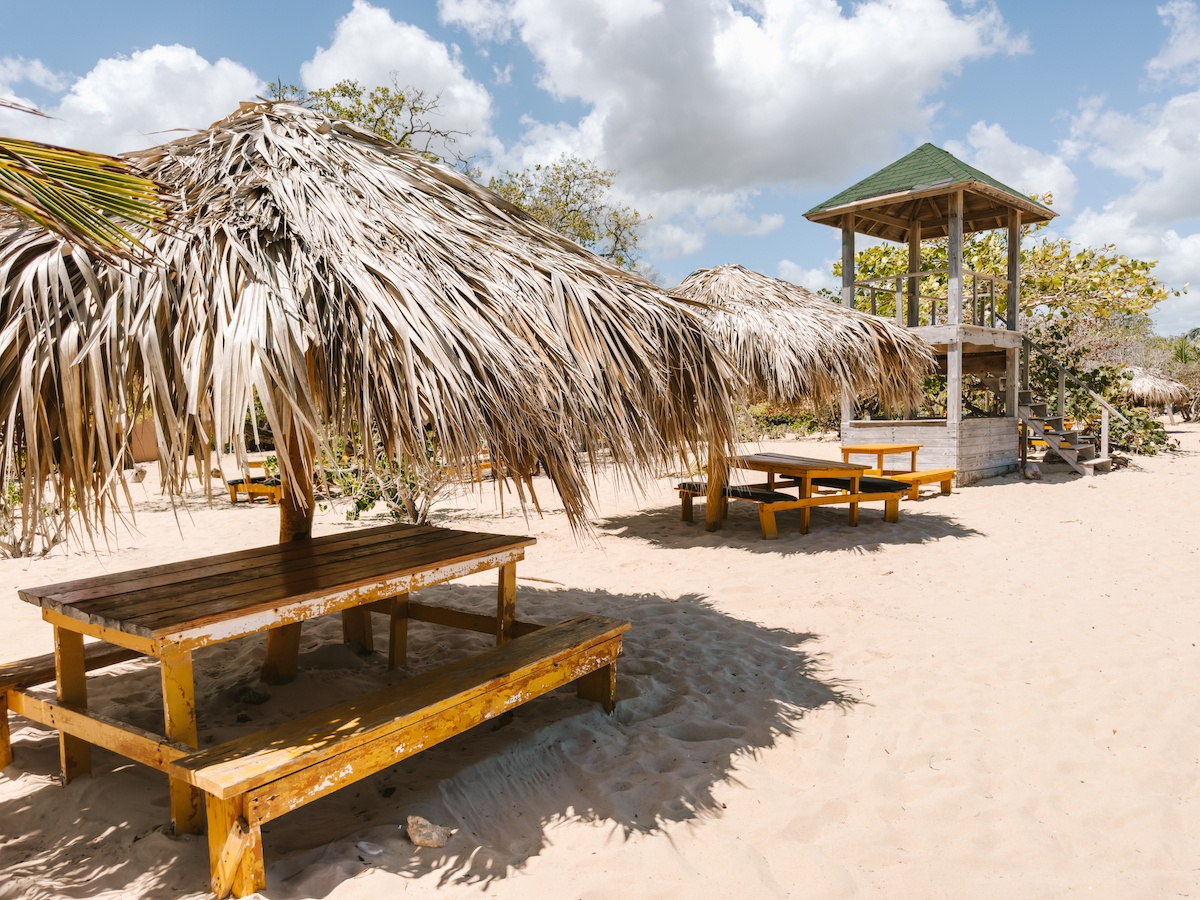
(944, 477)
(251, 780)
(771, 502)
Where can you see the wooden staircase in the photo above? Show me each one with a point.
(1074, 448)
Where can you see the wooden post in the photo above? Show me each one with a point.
(6, 756)
(1061, 409)
(900, 300)
(70, 673)
(914, 279)
(1012, 380)
(718, 476)
(234, 849)
(954, 288)
(1104, 431)
(296, 508)
(398, 633)
(506, 603)
(848, 260)
(179, 712)
(1013, 313)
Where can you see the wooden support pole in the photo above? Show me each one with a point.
(848, 260)
(356, 628)
(6, 756)
(954, 287)
(398, 631)
(718, 476)
(282, 659)
(179, 711)
(1012, 314)
(1012, 380)
(506, 602)
(70, 672)
(914, 279)
(954, 383)
(1061, 409)
(235, 854)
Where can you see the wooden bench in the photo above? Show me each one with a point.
(252, 780)
(270, 488)
(771, 502)
(945, 477)
(39, 670)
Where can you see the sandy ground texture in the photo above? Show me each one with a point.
(996, 697)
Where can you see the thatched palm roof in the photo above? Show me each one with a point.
(350, 284)
(796, 348)
(1149, 388)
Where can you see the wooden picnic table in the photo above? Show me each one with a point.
(802, 473)
(879, 451)
(168, 611)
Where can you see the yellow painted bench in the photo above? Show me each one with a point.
(249, 781)
(770, 501)
(944, 477)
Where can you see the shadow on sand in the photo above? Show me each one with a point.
(920, 523)
(698, 691)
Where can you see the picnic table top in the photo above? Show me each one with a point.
(786, 464)
(880, 448)
(246, 591)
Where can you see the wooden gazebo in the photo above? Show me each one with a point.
(972, 323)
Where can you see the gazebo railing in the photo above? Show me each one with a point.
(984, 300)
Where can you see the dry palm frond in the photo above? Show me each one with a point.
(91, 199)
(356, 288)
(1149, 388)
(796, 348)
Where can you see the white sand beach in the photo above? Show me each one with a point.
(995, 697)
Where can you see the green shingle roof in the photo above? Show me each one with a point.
(927, 166)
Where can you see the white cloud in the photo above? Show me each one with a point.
(813, 279)
(16, 70)
(1179, 59)
(369, 46)
(991, 150)
(702, 94)
(126, 102)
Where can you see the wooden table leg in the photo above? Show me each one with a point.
(805, 511)
(70, 672)
(283, 652)
(235, 853)
(6, 756)
(853, 520)
(398, 631)
(506, 603)
(179, 709)
(356, 628)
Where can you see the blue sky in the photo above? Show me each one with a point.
(725, 120)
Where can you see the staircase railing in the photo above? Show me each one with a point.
(1065, 372)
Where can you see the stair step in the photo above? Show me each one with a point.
(1100, 463)
(1024, 398)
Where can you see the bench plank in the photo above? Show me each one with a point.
(246, 763)
(40, 669)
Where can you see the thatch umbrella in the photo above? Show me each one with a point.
(798, 349)
(354, 287)
(1147, 387)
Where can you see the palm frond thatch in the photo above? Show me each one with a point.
(1149, 388)
(356, 287)
(796, 348)
(91, 199)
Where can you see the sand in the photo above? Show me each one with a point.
(996, 697)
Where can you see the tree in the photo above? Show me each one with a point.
(1057, 276)
(87, 198)
(402, 114)
(571, 196)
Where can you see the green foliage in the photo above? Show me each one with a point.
(761, 421)
(1058, 336)
(571, 197)
(1056, 275)
(407, 488)
(401, 114)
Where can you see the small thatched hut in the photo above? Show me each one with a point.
(1153, 389)
(798, 349)
(355, 288)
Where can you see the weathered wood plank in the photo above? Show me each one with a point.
(248, 762)
(179, 714)
(146, 747)
(40, 669)
(396, 742)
